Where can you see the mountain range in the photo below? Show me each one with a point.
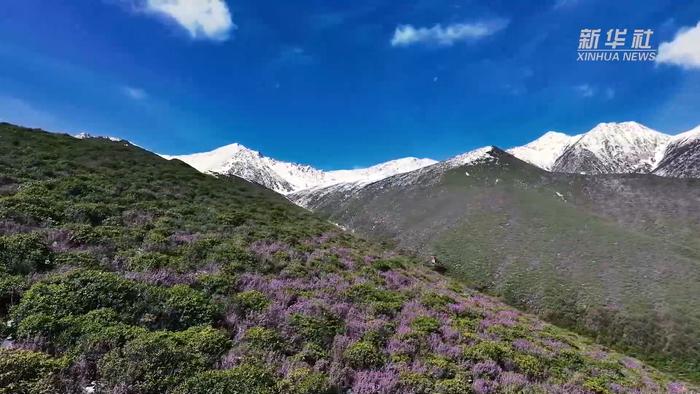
(596, 232)
(284, 177)
(608, 148)
(124, 272)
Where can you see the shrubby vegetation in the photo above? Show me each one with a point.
(122, 272)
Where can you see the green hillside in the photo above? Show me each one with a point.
(121, 272)
(614, 257)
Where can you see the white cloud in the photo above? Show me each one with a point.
(134, 93)
(210, 19)
(558, 4)
(585, 90)
(406, 35)
(684, 50)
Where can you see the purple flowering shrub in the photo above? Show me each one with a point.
(122, 272)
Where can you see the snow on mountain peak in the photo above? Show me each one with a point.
(544, 151)
(688, 136)
(613, 148)
(83, 136)
(285, 177)
(471, 157)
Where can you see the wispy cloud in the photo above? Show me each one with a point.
(683, 50)
(587, 91)
(203, 19)
(17, 110)
(406, 35)
(134, 93)
(294, 56)
(559, 4)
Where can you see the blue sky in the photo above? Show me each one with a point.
(339, 84)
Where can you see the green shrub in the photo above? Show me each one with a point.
(11, 287)
(26, 372)
(436, 301)
(186, 307)
(221, 284)
(81, 291)
(89, 213)
(382, 301)
(251, 301)
(145, 261)
(389, 264)
(488, 350)
(97, 331)
(305, 381)
(311, 352)
(318, 329)
(363, 355)
(453, 386)
(530, 365)
(417, 383)
(24, 253)
(262, 338)
(425, 325)
(157, 362)
(244, 379)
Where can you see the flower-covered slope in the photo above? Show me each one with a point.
(121, 272)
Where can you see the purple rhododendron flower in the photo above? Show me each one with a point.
(375, 382)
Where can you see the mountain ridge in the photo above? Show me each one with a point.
(287, 177)
(608, 148)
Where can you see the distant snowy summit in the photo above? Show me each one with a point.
(616, 148)
(83, 136)
(608, 148)
(285, 177)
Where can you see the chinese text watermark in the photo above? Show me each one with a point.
(615, 46)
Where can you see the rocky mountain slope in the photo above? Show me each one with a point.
(613, 148)
(681, 156)
(544, 151)
(284, 177)
(616, 256)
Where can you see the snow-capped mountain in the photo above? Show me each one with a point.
(680, 158)
(83, 136)
(613, 148)
(425, 175)
(544, 151)
(286, 177)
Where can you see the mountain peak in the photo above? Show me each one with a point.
(545, 150)
(613, 148)
(287, 177)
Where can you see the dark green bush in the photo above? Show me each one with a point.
(244, 379)
(251, 301)
(156, 362)
(262, 338)
(488, 350)
(81, 291)
(363, 355)
(382, 301)
(24, 253)
(305, 381)
(317, 329)
(425, 325)
(11, 287)
(26, 372)
(185, 307)
(436, 301)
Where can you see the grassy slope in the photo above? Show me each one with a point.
(131, 274)
(616, 260)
